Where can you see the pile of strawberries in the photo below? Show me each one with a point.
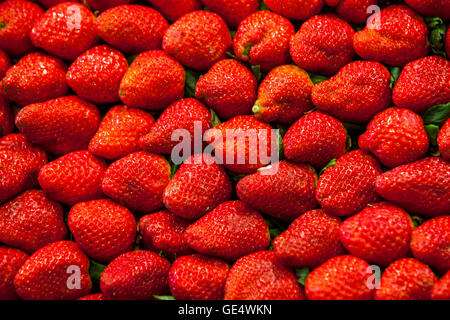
(93, 205)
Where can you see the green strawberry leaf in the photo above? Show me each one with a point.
(191, 82)
(232, 55)
(417, 221)
(233, 33)
(330, 164)
(257, 72)
(302, 274)
(246, 51)
(395, 74)
(437, 115)
(317, 78)
(263, 6)
(437, 33)
(131, 58)
(235, 177)
(215, 120)
(164, 297)
(96, 270)
(432, 132)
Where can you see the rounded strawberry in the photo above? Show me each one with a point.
(5, 63)
(443, 141)
(295, 9)
(6, 118)
(102, 5)
(174, 9)
(10, 262)
(353, 11)
(233, 12)
(441, 289)
(431, 8)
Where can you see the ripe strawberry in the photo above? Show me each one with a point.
(230, 231)
(310, 240)
(74, 177)
(96, 74)
(145, 84)
(347, 187)
(94, 296)
(443, 140)
(261, 276)
(431, 8)
(6, 118)
(199, 185)
(132, 28)
(174, 9)
(60, 125)
(406, 279)
(48, 273)
(315, 138)
(395, 136)
(119, 132)
(20, 162)
(263, 39)
(229, 88)
(5, 63)
(447, 41)
(324, 44)
(356, 93)
(180, 115)
(340, 278)
(135, 275)
(353, 11)
(284, 95)
(102, 5)
(296, 9)
(102, 228)
(198, 39)
(233, 12)
(31, 221)
(430, 243)
(17, 17)
(285, 195)
(422, 84)
(37, 77)
(419, 187)
(10, 262)
(396, 36)
(138, 181)
(441, 289)
(198, 277)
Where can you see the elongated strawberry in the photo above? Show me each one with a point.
(10, 262)
(441, 289)
(233, 12)
(431, 8)
(353, 11)
(5, 63)
(443, 141)
(102, 5)
(6, 118)
(295, 9)
(174, 9)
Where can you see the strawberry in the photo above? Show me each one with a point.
(146, 82)
(61, 125)
(73, 178)
(395, 136)
(138, 181)
(406, 279)
(48, 273)
(431, 8)
(6, 118)
(65, 30)
(31, 221)
(119, 132)
(199, 185)
(422, 84)
(315, 138)
(180, 115)
(324, 44)
(229, 88)
(135, 275)
(347, 187)
(102, 228)
(441, 289)
(17, 17)
(396, 36)
(447, 41)
(96, 74)
(284, 95)
(356, 93)
(310, 240)
(263, 39)
(94, 296)
(132, 28)
(430, 243)
(51, 3)
(230, 231)
(261, 276)
(443, 140)
(285, 195)
(10, 262)
(353, 11)
(340, 278)
(20, 162)
(102, 5)
(5, 63)
(198, 277)
(174, 9)
(37, 77)
(233, 12)
(198, 39)
(296, 9)
(419, 187)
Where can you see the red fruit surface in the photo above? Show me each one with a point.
(234, 11)
(295, 9)
(102, 5)
(5, 63)
(94, 296)
(51, 3)
(10, 262)
(353, 11)
(6, 118)
(431, 8)
(443, 141)
(174, 9)
(441, 289)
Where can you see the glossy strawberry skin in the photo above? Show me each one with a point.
(233, 12)
(6, 118)
(5, 63)
(174, 9)
(431, 8)
(51, 3)
(443, 141)
(102, 5)
(353, 11)
(441, 289)
(296, 9)
(10, 262)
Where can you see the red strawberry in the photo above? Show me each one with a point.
(310, 240)
(16, 20)
(6, 118)
(94, 296)
(420, 187)
(285, 194)
(431, 8)
(119, 132)
(316, 138)
(229, 88)
(443, 141)
(132, 28)
(146, 82)
(296, 9)
(183, 114)
(340, 278)
(284, 95)
(10, 262)
(447, 41)
(37, 77)
(73, 178)
(230, 231)
(102, 228)
(49, 273)
(263, 39)
(441, 289)
(406, 279)
(174, 9)
(198, 39)
(260, 276)
(233, 12)
(353, 11)
(102, 5)
(198, 277)
(197, 187)
(135, 275)
(138, 181)
(51, 3)
(60, 125)
(5, 63)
